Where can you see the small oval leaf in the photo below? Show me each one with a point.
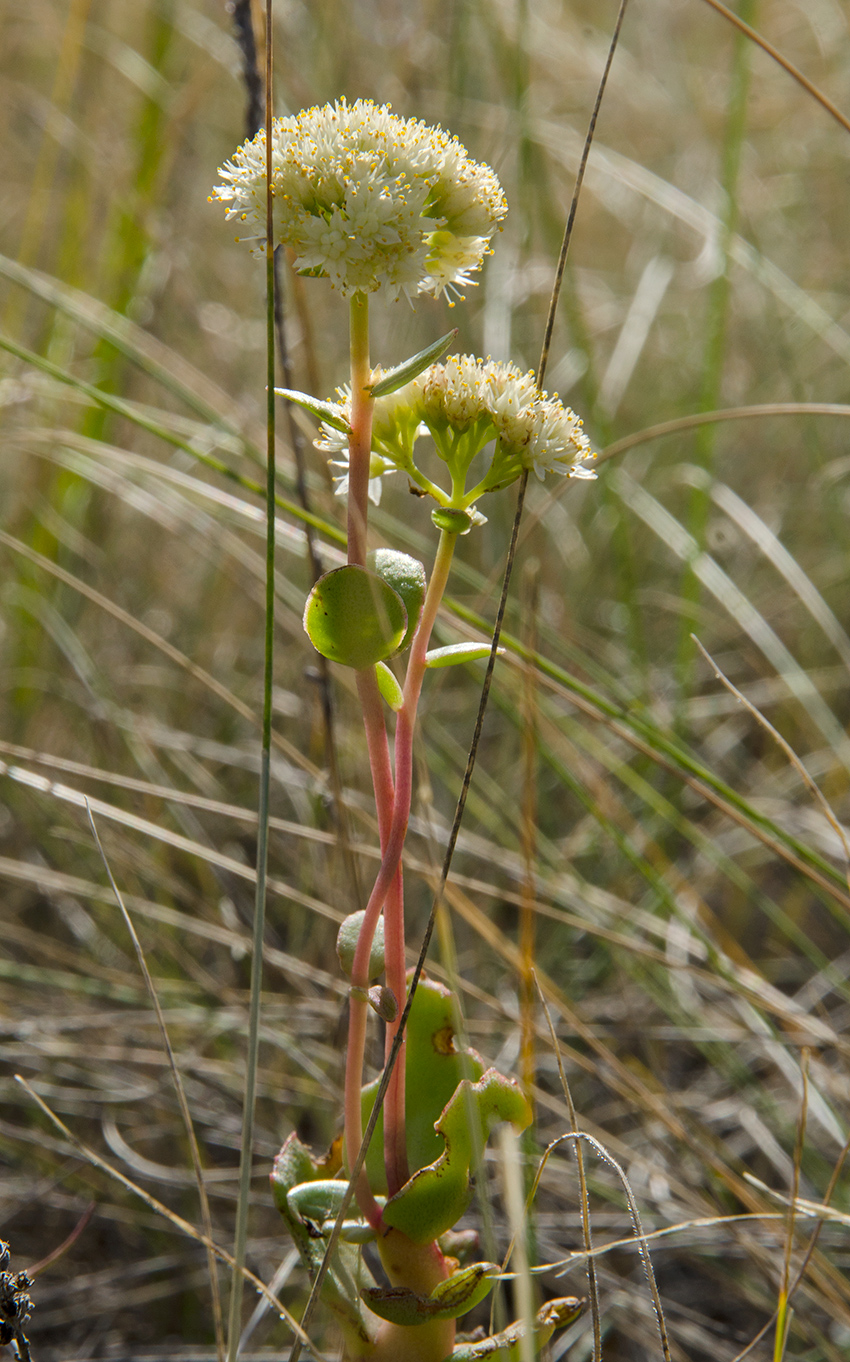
(383, 1001)
(451, 519)
(346, 944)
(405, 575)
(354, 617)
(389, 687)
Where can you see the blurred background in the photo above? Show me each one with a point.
(684, 885)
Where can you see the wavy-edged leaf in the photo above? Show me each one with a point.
(436, 1197)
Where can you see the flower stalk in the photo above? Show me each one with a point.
(372, 201)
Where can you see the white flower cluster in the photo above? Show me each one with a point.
(533, 429)
(368, 199)
(464, 403)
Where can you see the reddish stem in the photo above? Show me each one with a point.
(395, 1151)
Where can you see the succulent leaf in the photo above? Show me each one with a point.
(437, 1196)
(405, 575)
(354, 617)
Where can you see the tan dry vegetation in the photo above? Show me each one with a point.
(690, 892)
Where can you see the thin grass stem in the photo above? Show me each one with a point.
(188, 1124)
(247, 1150)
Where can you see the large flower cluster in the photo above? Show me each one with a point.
(465, 403)
(368, 199)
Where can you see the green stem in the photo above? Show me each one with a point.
(359, 458)
(246, 1155)
(360, 444)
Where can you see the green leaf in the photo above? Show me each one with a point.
(434, 1068)
(346, 944)
(323, 411)
(464, 1289)
(452, 519)
(354, 617)
(456, 653)
(304, 1189)
(437, 1196)
(389, 686)
(405, 575)
(396, 378)
(455, 1296)
(507, 1346)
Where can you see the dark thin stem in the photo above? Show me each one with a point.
(243, 27)
(571, 216)
(246, 1155)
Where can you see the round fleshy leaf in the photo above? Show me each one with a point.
(354, 617)
(405, 575)
(346, 944)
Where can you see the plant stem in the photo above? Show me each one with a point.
(360, 444)
(246, 1156)
(359, 458)
(387, 894)
(395, 1143)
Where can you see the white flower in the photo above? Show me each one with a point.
(377, 468)
(396, 424)
(368, 199)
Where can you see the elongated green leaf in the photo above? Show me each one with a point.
(323, 411)
(507, 1346)
(461, 1292)
(305, 1208)
(435, 1066)
(389, 687)
(396, 378)
(455, 653)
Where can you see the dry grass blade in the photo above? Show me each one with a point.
(586, 1230)
(786, 747)
(782, 61)
(188, 1124)
(641, 1239)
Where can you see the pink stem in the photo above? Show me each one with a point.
(392, 799)
(359, 459)
(395, 1137)
(395, 1151)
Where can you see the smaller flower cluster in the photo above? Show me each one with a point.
(465, 404)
